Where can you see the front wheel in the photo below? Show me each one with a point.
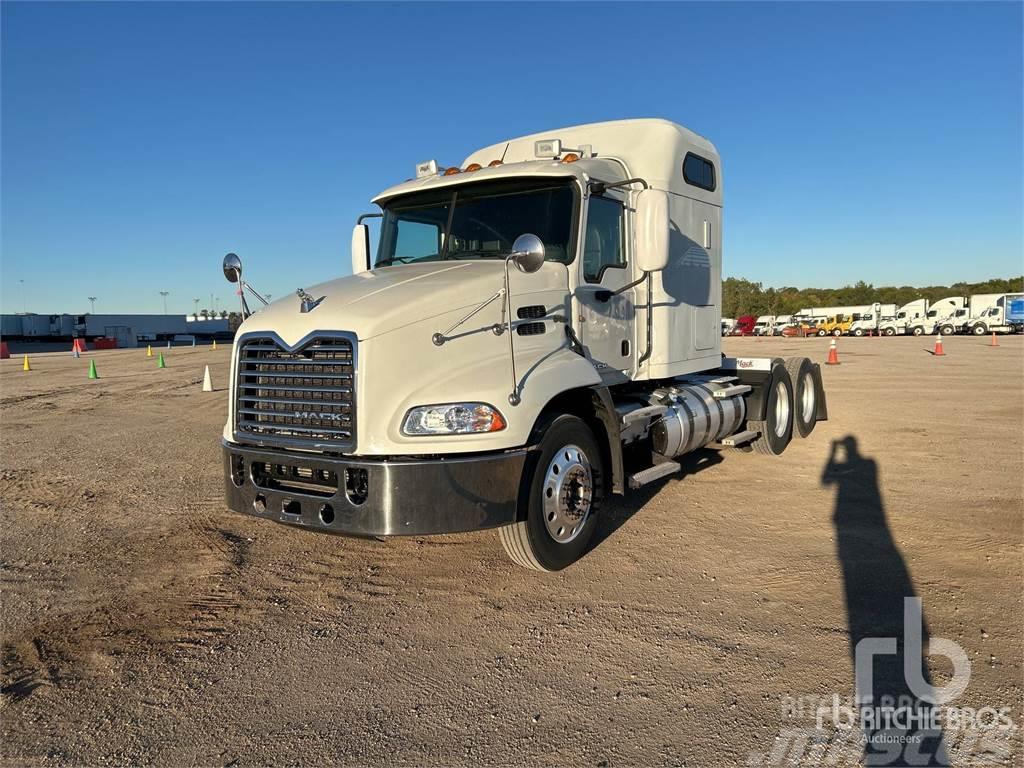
(837, 332)
(858, 332)
(946, 330)
(562, 488)
(979, 329)
(918, 330)
(890, 331)
(822, 332)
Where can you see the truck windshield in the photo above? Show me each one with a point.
(478, 221)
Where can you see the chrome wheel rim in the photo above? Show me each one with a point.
(567, 493)
(781, 409)
(807, 398)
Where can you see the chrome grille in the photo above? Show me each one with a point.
(305, 396)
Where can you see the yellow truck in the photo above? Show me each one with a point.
(835, 325)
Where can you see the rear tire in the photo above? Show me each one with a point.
(805, 394)
(823, 332)
(777, 428)
(837, 332)
(561, 493)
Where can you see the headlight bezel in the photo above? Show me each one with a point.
(423, 420)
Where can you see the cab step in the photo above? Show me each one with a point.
(733, 391)
(649, 475)
(738, 439)
(640, 414)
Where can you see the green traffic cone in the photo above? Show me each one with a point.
(92, 370)
(160, 363)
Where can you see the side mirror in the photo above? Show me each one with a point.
(360, 248)
(652, 230)
(528, 253)
(232, 268)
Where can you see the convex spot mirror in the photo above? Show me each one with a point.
(528, 253)
(232, 268)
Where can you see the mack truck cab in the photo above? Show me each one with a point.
(538, 328)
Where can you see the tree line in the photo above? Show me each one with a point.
(743, 297)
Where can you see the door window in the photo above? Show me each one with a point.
(604, 244)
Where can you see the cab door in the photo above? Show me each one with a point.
(606, 324)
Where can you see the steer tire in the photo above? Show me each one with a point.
(775, 434)
(528, 541)
(979, 329)
(805, 413)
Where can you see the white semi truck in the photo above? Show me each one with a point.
(539, 328)
(764, 325)
(938, 318)
(990, 313)
(905, 315)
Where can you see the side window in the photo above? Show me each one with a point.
(699, 172)
(604, 244)
(416, 239)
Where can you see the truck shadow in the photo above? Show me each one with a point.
(617, 510)
(876, 582)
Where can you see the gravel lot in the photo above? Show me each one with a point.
(143, 623)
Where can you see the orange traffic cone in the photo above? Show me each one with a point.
(938, 346)
(994, 342)
(833, 355)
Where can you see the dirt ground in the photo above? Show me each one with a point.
(143, 623)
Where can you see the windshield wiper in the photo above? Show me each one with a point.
(393, 259)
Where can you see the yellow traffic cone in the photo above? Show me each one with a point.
(149, 350)
(25, 366)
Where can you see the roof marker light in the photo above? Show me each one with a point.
(572, 157)
(494, 163)
(473, 167)
(452, 171)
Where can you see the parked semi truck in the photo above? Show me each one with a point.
(992, 313)
(938, 318)
(539, 328)
(904, 316)
(744, 326)
(764, 324)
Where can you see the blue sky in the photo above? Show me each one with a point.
(142, 141)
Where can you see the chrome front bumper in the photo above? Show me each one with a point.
(359, 497)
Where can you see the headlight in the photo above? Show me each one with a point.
(452, 419)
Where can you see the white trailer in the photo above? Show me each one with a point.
(550, 334)
(853, 311)
(129, 330)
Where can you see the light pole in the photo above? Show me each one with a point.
(164, 294)
(196, 311)
(92, 305)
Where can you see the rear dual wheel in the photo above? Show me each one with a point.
(777, 427)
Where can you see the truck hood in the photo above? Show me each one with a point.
(382, 300)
